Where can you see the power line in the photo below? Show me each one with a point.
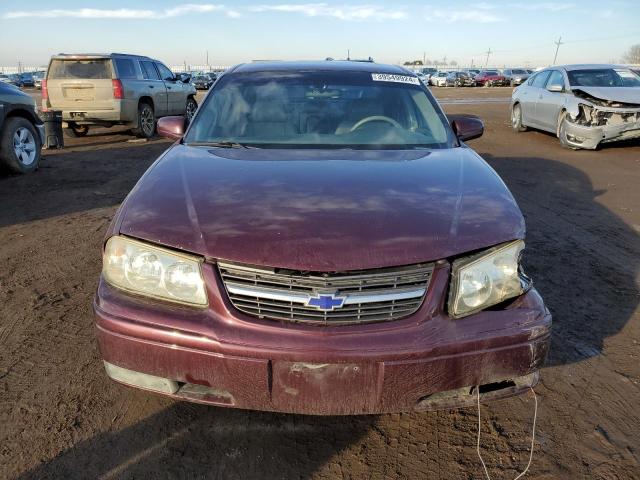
(558, 43)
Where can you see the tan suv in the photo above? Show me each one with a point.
(115, 89)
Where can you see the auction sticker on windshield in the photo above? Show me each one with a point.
(389, 77)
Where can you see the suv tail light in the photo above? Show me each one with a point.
(118, 91)
(44, 91)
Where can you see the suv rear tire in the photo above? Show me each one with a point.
(19, 146)
(146, 121)
(77, 131)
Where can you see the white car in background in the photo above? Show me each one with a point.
(439, 79)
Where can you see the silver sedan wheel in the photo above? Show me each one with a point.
(24, 146)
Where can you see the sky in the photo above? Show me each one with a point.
(518, 32)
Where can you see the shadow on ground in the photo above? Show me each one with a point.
(583, 258)
(75, 181)
(195, 441)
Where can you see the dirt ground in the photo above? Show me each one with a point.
(60, 417)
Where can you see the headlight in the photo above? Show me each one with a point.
(485, 279)
(153, 271)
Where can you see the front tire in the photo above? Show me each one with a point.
(190, 109)
(19, 146)
(146, 121)
(516, 118)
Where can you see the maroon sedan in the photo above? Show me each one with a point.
(320, 240)
(491, 78)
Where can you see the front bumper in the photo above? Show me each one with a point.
(586, 137)
(222, 357)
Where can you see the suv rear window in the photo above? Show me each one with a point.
(126, 68)
(94, 68)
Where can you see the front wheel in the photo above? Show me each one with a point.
(190, 109)
(146, 122)
(516, 118)
(19, 146)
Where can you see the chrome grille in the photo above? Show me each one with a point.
(369, 295)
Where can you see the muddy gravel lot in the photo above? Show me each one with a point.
(60, 417)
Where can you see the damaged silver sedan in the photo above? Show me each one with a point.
(584, 105)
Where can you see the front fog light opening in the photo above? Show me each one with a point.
(141, 380)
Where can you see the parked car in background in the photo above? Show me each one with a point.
(472, 72)
(515, 76)
(114, 89)
(427, 72)
(21, 131)
(8, 80)
(212, 75)
(423, 77)
(459, 79)
(26, 80)
(584, 105)
(37, 79)
(490, 78)
(439, 79)
(239, 270)
(202, 82)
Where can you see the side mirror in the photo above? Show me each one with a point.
(555, 88)
(466, 127)
(171, 127)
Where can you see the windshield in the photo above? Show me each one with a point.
(201, 78)
(490, 72)
(518, 72)
(603, 77)
(320, 110)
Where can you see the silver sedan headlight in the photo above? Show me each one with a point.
(485, 279)
(153, 271)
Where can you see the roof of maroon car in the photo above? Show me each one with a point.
(330, 65)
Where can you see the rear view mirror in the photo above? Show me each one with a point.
(555, 88)
(466, 127)
(171, 127)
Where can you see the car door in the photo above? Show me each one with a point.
(176, 93)
(530, 96)
(156, 86)
(550, 102)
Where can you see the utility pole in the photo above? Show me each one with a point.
(424, 58)
(207, 58)
(486, 62)
(558, 43)
(348, 54)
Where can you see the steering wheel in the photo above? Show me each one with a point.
(375, 118)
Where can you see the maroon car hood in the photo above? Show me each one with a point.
(321, 210)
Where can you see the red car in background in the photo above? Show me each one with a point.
(491, 78)
(320, 240)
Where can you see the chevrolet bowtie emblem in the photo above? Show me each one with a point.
(326, 301)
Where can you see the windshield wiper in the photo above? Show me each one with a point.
(221, 144)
